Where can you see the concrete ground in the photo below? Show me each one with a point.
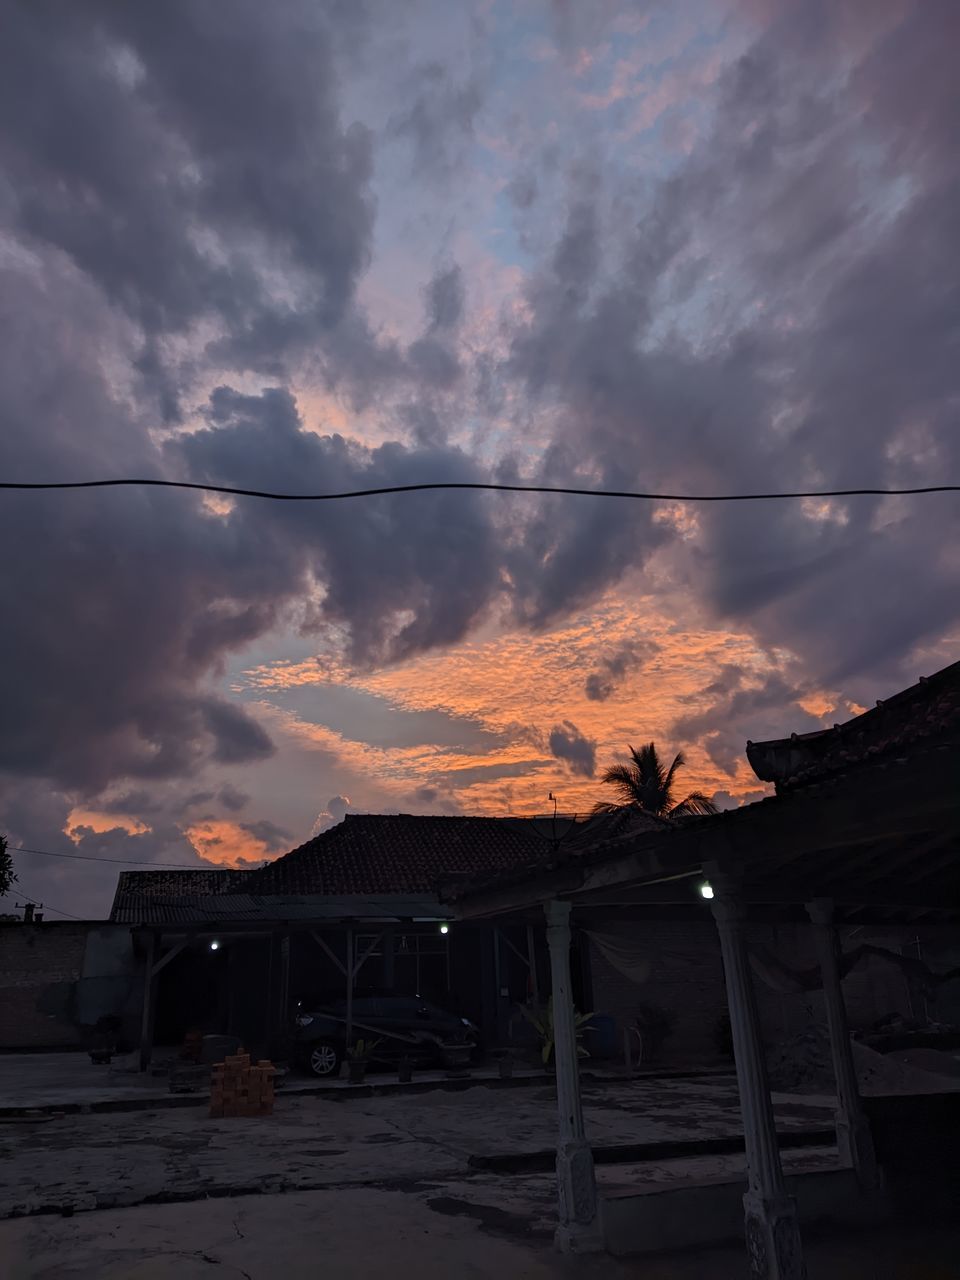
(371, 1234)
(49, 1080)
(117, 1159)
(379, 1187)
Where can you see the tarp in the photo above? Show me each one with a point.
(626, 949)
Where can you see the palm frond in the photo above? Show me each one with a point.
(697, 802)
(604, 807)
(679, 760)
(646, 783)
(623, 779)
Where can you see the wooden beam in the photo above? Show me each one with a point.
(322, 942)
(525, 959)
(168, 956)
(517, 897)
(366, 955)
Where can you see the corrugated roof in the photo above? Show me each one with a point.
(164, 884)
(239, 908)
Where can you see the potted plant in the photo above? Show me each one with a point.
(358, 1055)
(405, 1070)
(542, 1022)
(653, 1024)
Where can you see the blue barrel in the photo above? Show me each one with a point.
(600, 1037)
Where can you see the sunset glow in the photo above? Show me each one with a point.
(698, 249)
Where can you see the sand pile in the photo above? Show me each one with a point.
(936, 1060)
(802, 1064)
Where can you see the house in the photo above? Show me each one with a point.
(357, 906)
(368, 889)
(862, 833)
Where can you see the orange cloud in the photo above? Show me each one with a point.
(227, 843)
(518, 686)
(100, 821)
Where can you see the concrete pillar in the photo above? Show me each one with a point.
(579, 1229)
(854, 1139)
(774, 1250)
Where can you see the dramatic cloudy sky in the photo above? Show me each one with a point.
(701, 245)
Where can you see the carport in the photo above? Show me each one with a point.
(346, 934)
(870, 838)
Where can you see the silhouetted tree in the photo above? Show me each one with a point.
(646, 784)
(7, 876)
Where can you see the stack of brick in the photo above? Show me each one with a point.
(238, 1088)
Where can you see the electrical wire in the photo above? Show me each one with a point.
(275, 496)
(19, 890)
(87, 857)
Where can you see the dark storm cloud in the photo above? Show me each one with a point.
(830, 359)
(403, 576)
(232, 798)
(272, 835)
(741, 709)
(578, 752)
(603, 683)
(33, 814)
(163, 171)
(181, 197)
(121, 604)
(445, 297)
(186, 160)
(437, 119)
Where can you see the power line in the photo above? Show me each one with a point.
(132, 862)
(37, 903)
(231, 491)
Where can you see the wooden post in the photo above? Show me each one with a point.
(348, 1031)
(285, 979)
(579, 1229)
(389, 964)
(271, 1015)
(854, 1139)
(498, 980)
(148, 1010)
(774, 1250)
(532, 963)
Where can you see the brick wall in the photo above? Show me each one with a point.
(40, 965)
(686, 976)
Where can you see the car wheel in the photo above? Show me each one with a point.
(324, 1058)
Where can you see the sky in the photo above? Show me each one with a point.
(704, 246)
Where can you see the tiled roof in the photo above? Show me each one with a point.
(927, 712)
(369, 855)
(398, 853)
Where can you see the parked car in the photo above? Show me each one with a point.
(401, 1027)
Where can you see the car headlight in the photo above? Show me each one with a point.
(304, 1020)
(467, 1023)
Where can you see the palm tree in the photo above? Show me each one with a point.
(645, 784)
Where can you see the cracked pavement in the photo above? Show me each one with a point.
(80, 1162)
